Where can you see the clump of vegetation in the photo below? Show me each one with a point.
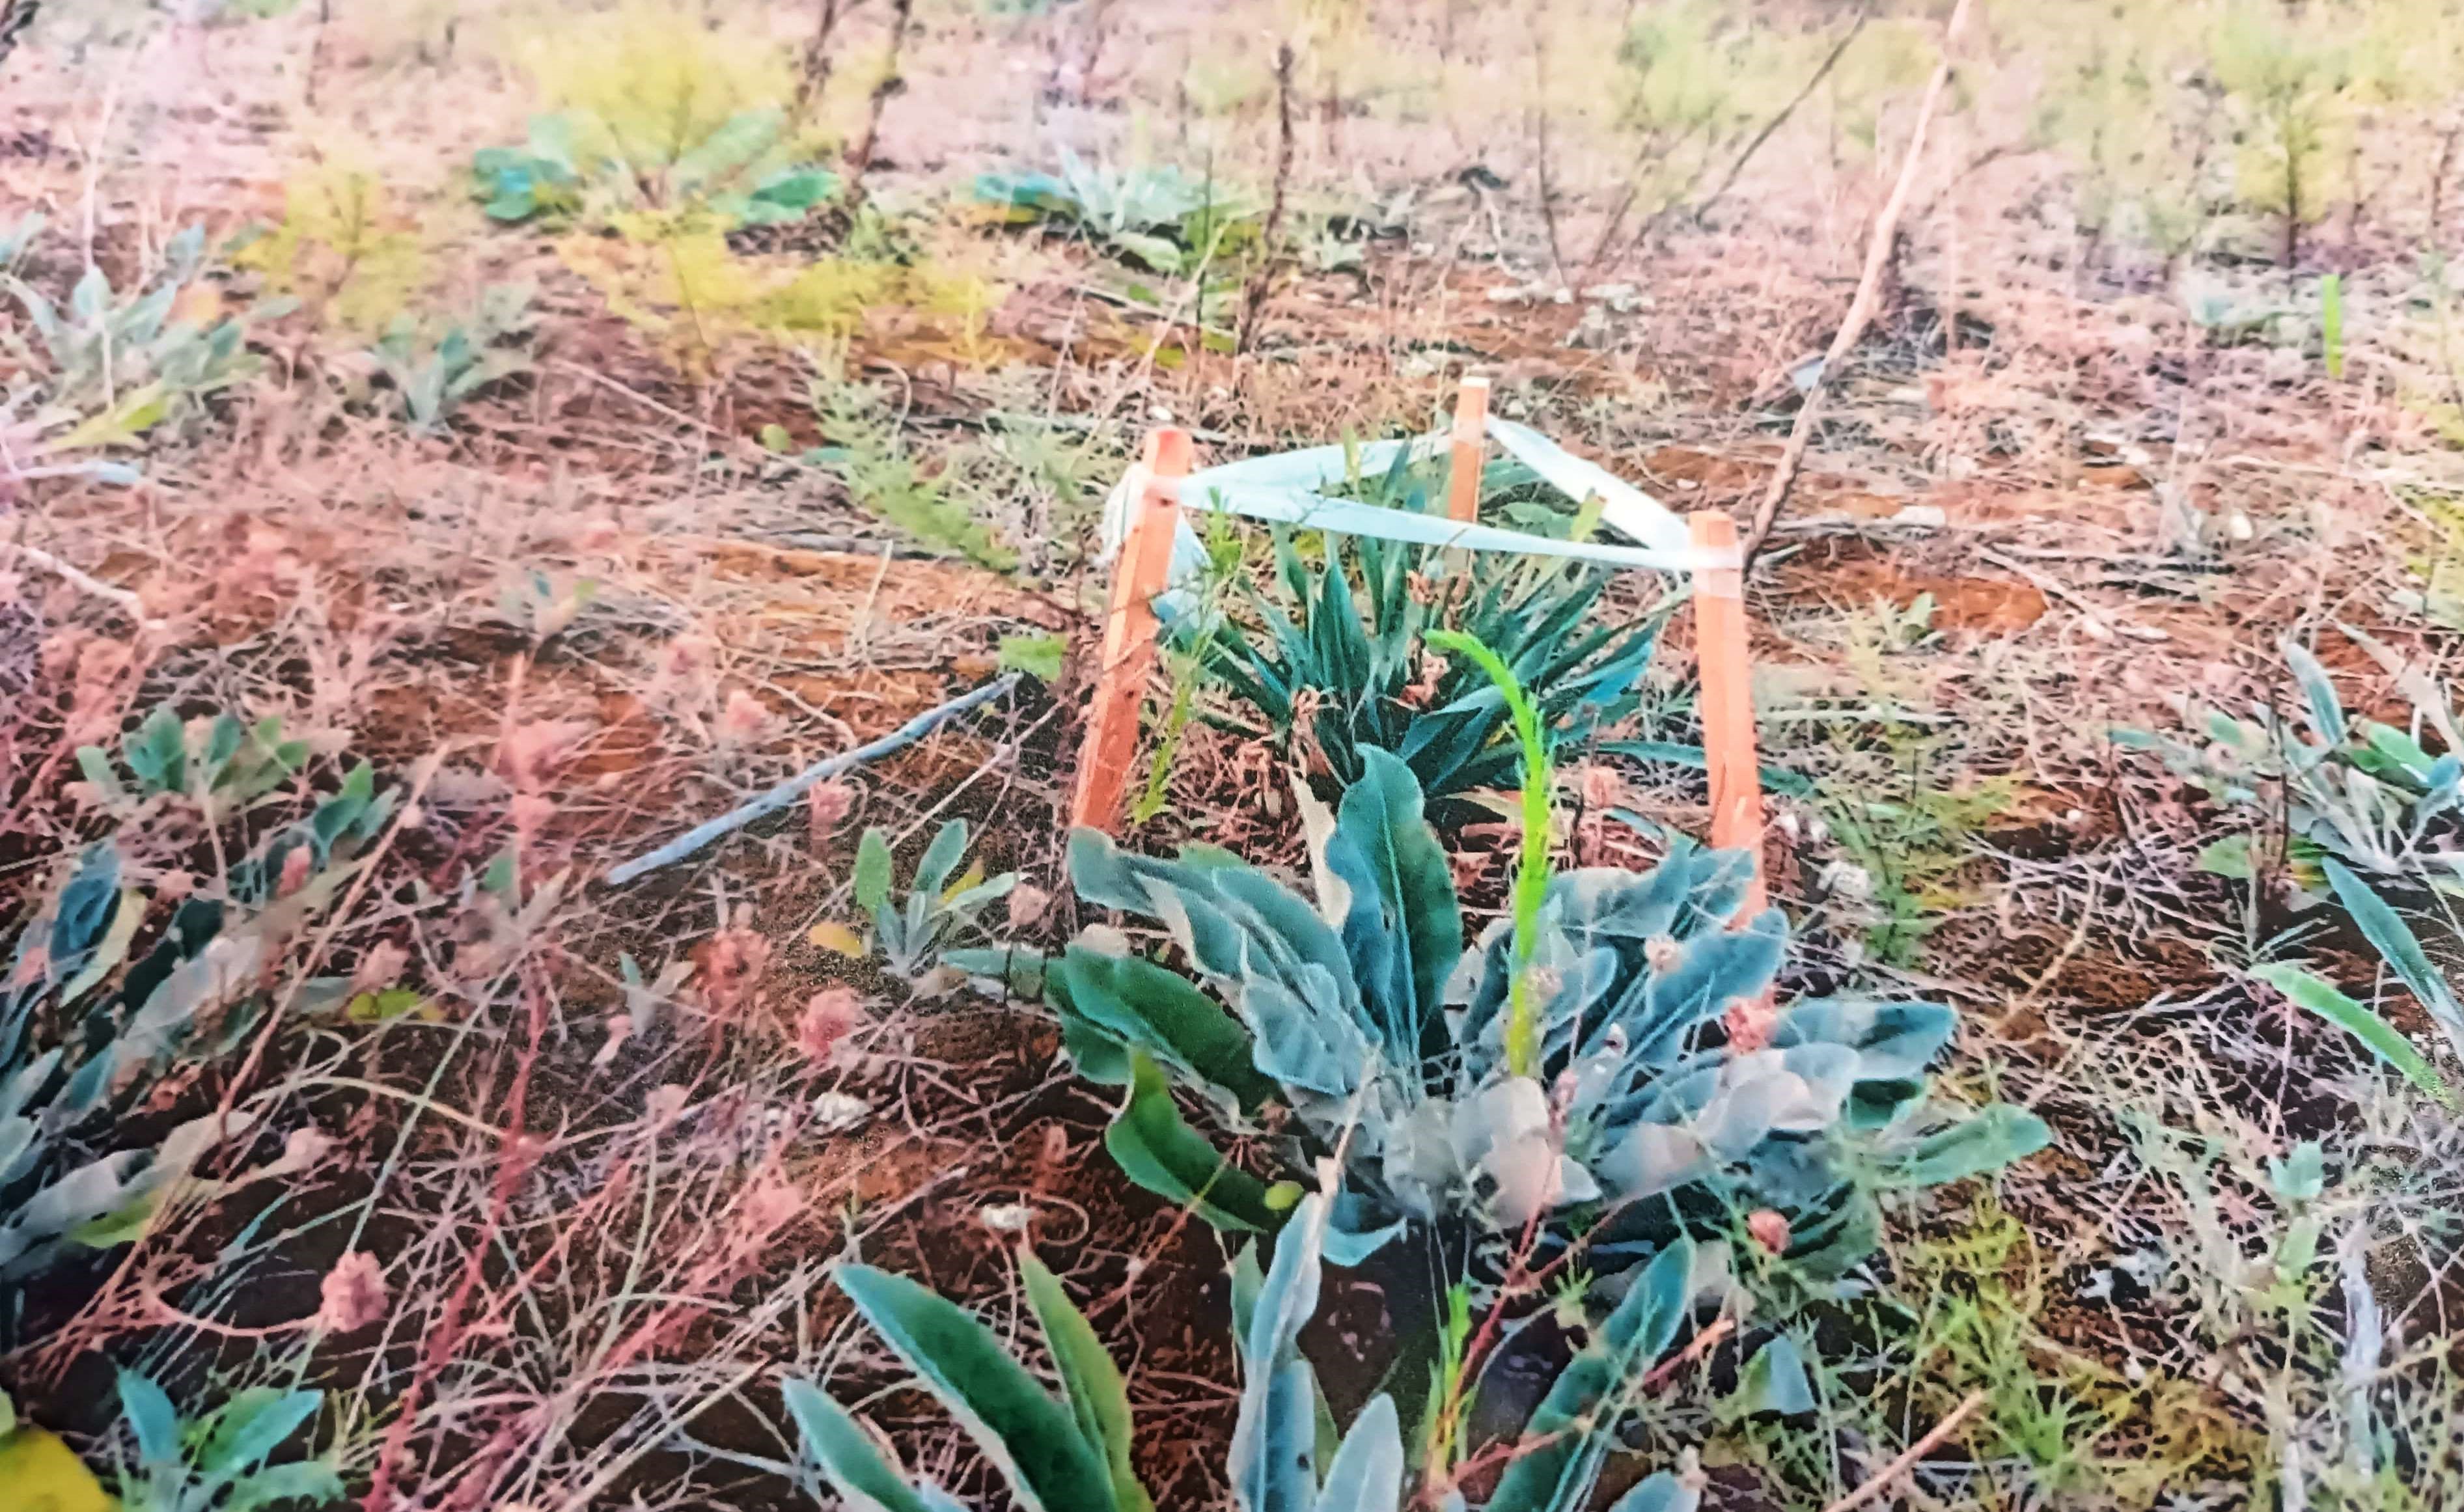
(197, 991)
(1339, 660)
(431, 374)
(2352, 809)
(1680, 1105)
(1169, 220)
(1074, 1451)
(343, 248)
(661, 115)
(112, 366)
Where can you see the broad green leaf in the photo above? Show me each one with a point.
(113, 950)
(846, 1454)
(1986, 1141)
(1366, 1474)
(1158, 1011)
(941, 858)
(1273, 1458)
(2397, 945)
(2319, 997)
(1157, 1150)
(1098, 1397)
(2228, 857)
(872, 876)
(1029, 1437)
(1773, 1381)
(151, 1418)
(1038, 656)
(1559, 1473)
(252, 1427)
(41, 1474)
(1403, 929)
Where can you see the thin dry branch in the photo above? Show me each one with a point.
(1874, 1485)
(1861, 308)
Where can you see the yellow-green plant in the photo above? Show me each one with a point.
(2290, 84)
(2113, 105)
(342, 248)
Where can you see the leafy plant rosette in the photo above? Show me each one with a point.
(1362, 1014)
(2364, 792)
(1341, 657)
(196, 990)
(1073, 1452)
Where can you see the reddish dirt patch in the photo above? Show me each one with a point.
(1996, 605)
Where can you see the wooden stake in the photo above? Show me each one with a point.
(1728, 709)
(1471, 441)
(1127, 648)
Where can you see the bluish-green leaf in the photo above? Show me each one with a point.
(1559, 1473)
(151, 1418)
(2319, 692)
(252, 1426)
(1773, 1381)
(2309, 991)
(1160, 1011)
(1157, 1150)
(1366, 1474)
(2396, 944)
(1273, 1459)
(848, 1458)
(1032, 1439)
(1098, 1397)
(1986, 1141)
(1403, 930)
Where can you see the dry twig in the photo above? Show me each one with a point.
(1861, 308)
(1878, 1483)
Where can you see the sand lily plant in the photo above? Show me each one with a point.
(1661, 1096)
(1073, 1451)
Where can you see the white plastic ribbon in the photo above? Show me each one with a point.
(1281, 487)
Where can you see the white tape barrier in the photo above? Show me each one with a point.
(1283, 488)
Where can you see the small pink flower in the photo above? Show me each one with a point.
(1027, 904)
(825, 805)
(380, 968)
(295, 871)
(1749, 1022)
(1769, 1229)
(730, 965)
(828, 1018)
(743, 720)
(353, 1293)
(530, 752)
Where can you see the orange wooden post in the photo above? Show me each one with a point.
(1727, 710)
(1471, 441)
(1128, 645)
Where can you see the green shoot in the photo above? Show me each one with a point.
(1532, 875)
(2331, 322)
